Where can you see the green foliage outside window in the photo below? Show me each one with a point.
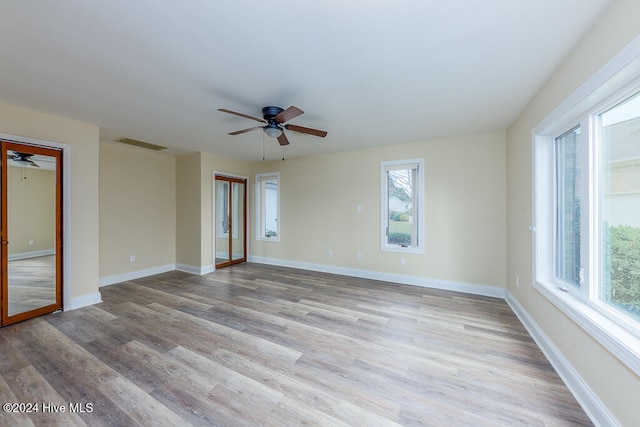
(622, 268)
(399, 229)
(400, 239)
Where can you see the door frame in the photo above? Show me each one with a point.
(67, 302)
(231, 179)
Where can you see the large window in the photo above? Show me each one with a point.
(401, 210)
(268, 207)
(587, 218)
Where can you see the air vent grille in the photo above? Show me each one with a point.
(140, 144)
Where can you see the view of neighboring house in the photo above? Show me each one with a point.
(622, 182)
(397, 205)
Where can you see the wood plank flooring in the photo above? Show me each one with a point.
(261, 345)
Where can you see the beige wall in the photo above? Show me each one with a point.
(188, 212)
(82, 214)
(31, 209)
(137, 209)
(614, 384)
(465, 210)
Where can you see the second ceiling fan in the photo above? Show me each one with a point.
(274, 119)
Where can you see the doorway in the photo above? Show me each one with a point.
(230, 226)
(31, 235)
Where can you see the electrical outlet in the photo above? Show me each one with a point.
(358, 256)
(403, 261)
(30, 242)
(132, 258)
(329, 253)
(517, 281)
(358, 208)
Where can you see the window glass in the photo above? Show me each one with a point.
(620, 205)
(567, 251)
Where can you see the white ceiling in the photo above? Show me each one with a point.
(370, 73)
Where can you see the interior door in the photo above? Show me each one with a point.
(31, 221)
(230, 226)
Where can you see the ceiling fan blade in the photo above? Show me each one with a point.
(224, 110)
(302, 129)
(238, 132)
(288, 114)
(35, 165)
(282, 139)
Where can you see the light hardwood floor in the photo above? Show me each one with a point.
(260, 345)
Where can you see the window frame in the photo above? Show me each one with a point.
(617, 332)
(417, 206)
(260, 207)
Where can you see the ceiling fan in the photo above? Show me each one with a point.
(274, 119)
(23, 159)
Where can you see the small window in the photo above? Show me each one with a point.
(268, 206)
(401, 210)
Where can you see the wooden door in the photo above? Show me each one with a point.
(31, 221)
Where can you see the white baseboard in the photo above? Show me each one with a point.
(138, 274)
(83, 301)
(132, 275)
(425, 282)
(594, 408)
(32, 254)
(193, 269)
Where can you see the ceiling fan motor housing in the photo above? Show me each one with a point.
(269, 113)
(273, 128)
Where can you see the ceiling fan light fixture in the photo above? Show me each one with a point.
(273, 130)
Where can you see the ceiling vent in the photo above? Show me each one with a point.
(140, 144)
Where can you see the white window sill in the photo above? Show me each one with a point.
(400, 249)
(267, 239)
(620, 342)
